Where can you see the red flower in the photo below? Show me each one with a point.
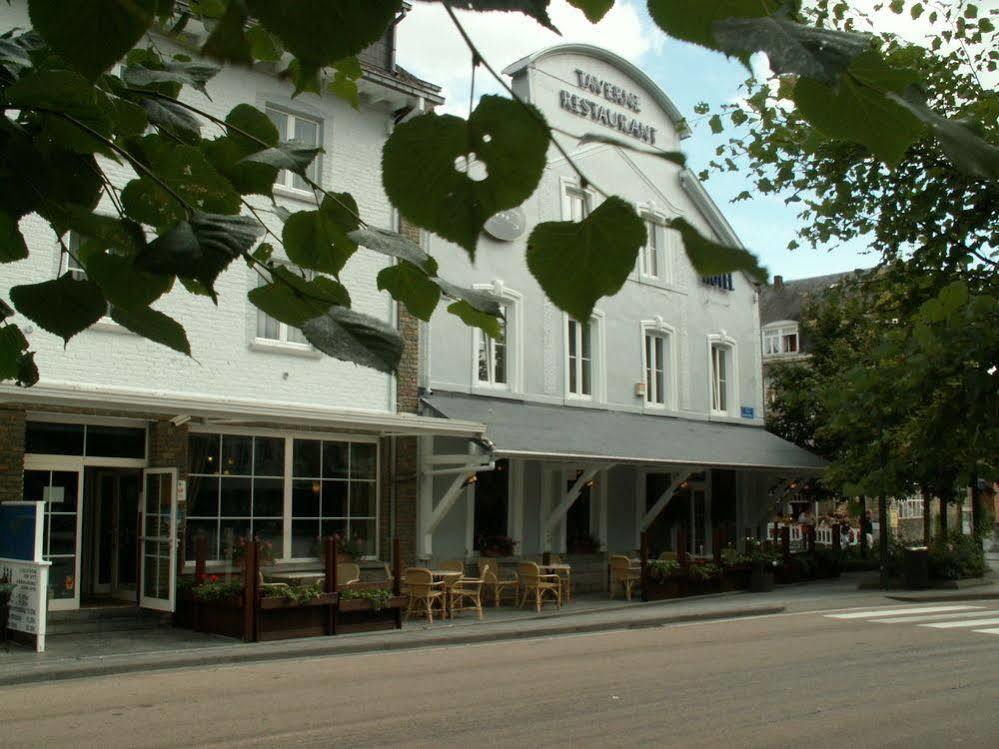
(214, 578)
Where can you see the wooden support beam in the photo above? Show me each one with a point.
(443, 508)
(665, 497)
(570, 496)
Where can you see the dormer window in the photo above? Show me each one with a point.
(780, 339)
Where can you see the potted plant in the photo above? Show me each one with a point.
(702, 577)
(664, 577)
(735, 569)
(495, 546)
(763, 558)
(583, 544)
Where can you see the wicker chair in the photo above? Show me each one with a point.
(564, 576)
(533, 583)
(391, 578)
(424, 593)
(454, 565)
(624, 572)
(465, 594)
(489, 571)
(347, 573)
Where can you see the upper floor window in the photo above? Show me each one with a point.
(656, 352)
(652, 253)
(492, 353)
(71, 264)
(300, 128)
(269, 329)
(579, 362)
(780, 339)
(722, 378)
(577, 204)
(723, 281)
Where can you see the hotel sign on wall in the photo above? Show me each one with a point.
(598, 112)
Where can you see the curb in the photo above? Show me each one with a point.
(260, 653)
(936, 598)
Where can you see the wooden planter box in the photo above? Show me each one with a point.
(223, 617)
(689, 587)
(281, 619)
(761, 581)
(359, 615)
(734, 578)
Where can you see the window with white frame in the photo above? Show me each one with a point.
(656, 368)
(579, 358)
(722, 375)
(270, 330)
(652, 253)
(300, 128)
(493, 366)
(71, 265)
(780, 339)
(577, 204)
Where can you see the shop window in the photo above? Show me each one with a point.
(307, 131)
(492, 497)
(235, 488)
(334, 491)
(91, 440)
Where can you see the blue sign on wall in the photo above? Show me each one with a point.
(748, 412)
(17, 531)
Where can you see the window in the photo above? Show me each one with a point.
(90, 440)
(655, 368)
(723, 281)
(333, 490)
(60, 490)
(299, 128)
(235, 489)
(652, 256)
(269, 329)
(492, 355)
(71, 264)
(779, 340)
(580, 358)
(721, 377)
(577, 204)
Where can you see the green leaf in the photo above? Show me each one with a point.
(186, 170)
(91, 35)
(473, 317)
(172, 118)
(821, 54)
(710, 258)
(576, 263)
(249, 131)
(501, 137)
(344, 83)
(319, 240)
(858, 109)
(410, 285)
(12, 246)
(200, 249)
(536, 9)
(121, 283)
(675, 156)
(246, 120)
(194, 74)
(320, 32)
(395, 245)
(294, 300)
(155, 326)
(594, 9)
(228, 41)
(715, 124)
(295, 156)
(125, 236)
(16, 363)
(355, 337)
(693, 20)
(264, 46)
(478, 300)
(63, 307)
(966, 149)
(127, 117)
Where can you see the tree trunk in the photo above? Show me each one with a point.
(883, 537)
(863, 527)
(943, 516)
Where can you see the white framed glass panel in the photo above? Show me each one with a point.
(300, 128)
(492, 357)
(579, 359)
(720, 366)
(652, 252)
(269, 329)
(158, 542)
(655, 368)
(578, 202)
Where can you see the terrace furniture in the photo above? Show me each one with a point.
(455, 565)
(624, 572)
(347, 573)
(489, 571)
(538, 585)
(293, 578)
(465, 594)
(564, 573)
(447, 577)
(390, 577)
(425, 593)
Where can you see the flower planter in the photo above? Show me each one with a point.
(761, 581)
(734, 578)
(359, 615)
(220, 617)
(696, 587)
(279, 618)
(661, 589)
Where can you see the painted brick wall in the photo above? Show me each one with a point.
(11, 454)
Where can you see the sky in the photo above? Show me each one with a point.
(430, 47)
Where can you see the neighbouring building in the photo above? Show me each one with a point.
(138, 449)
(646, 417)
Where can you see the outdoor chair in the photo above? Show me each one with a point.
(347, 573)
(564, 576)
(424, 593)
(539, 586)
(267, 588)
(489, 571)
(624, 572)
(464, 595)
(454, 565)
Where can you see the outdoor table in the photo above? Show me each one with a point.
(297, 578)
(450, 577)
(560, 570)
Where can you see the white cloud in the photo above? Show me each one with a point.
(429, 46)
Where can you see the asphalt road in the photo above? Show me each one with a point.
(786, 680)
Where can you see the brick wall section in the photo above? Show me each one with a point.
(168, 446)
(11, 455)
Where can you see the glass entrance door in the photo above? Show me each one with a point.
(158, 542)
(59, 483)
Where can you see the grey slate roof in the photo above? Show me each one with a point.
(785, 302)
(518, 428)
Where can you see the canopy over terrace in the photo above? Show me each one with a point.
(600, 438)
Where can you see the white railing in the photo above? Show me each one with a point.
(823, 534)
(910, 509)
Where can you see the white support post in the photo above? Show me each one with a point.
(665, 497)
(566, 502)
(443, 507)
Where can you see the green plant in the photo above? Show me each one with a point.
(762, 553)
(301, 593)
(212, 588)
(731, 557)
(238, 550)
(702, 571)
(379, 597)
(956, 557)
(660, 569)
(351, 546)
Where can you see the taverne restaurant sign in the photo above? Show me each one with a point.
(598, 112)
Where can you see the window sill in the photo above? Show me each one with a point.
(294, 193)
(265, 345)
(502, 387)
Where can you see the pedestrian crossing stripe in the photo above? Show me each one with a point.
(992, 631)
(910, 619)
(870, 613)
(964, 623)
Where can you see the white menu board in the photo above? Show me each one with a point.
(28, 602)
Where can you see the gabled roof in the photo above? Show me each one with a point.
(785, 300)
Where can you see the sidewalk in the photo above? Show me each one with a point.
(94, 654)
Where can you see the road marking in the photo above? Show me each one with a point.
(894, 612)
(928, 618)
(993, 631)
(965, 623)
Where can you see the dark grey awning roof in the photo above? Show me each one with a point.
(543, 431)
